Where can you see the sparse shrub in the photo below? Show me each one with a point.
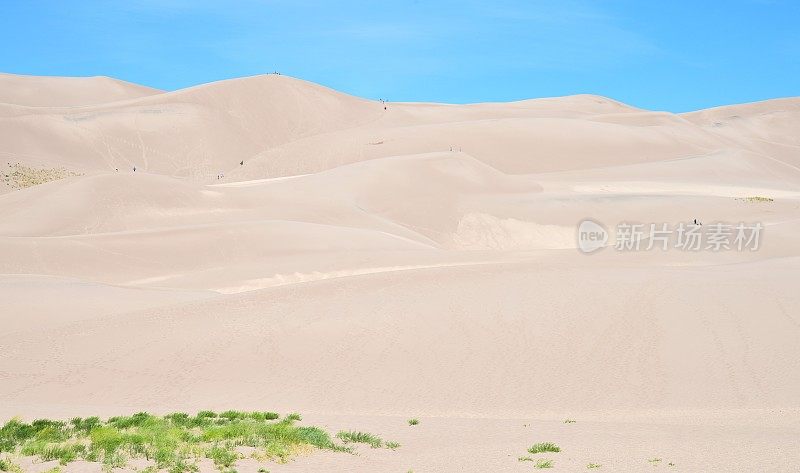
(392, 445)
(542, 463)
(758, 198)
(592, 466)
(20, 176)
(413, 421)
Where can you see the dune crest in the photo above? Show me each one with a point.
(40, 91)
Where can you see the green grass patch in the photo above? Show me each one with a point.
(413, 421)
(174, 442)
(569, 421)
(542, 463)
(392, 445)
(544, 447)
(592, 466)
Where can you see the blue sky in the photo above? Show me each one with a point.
(666, 55)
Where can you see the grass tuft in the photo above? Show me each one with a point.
(360, 437)
(544, 447)
(592, 466)
(413, 421)
(392, 445)
(542, 463)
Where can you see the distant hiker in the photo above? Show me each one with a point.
(134, 169)
(241, 163)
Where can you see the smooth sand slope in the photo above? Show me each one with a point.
(368, 265)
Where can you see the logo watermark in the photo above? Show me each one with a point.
(592, 236)
(683, 236)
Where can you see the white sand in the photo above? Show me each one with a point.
(365, 266)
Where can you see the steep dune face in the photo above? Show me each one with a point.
(419, 258)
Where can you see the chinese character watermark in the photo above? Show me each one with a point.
(684, 236)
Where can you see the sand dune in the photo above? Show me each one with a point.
(37, 91)
(419, 260)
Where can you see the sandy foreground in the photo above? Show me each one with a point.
(366, 265)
